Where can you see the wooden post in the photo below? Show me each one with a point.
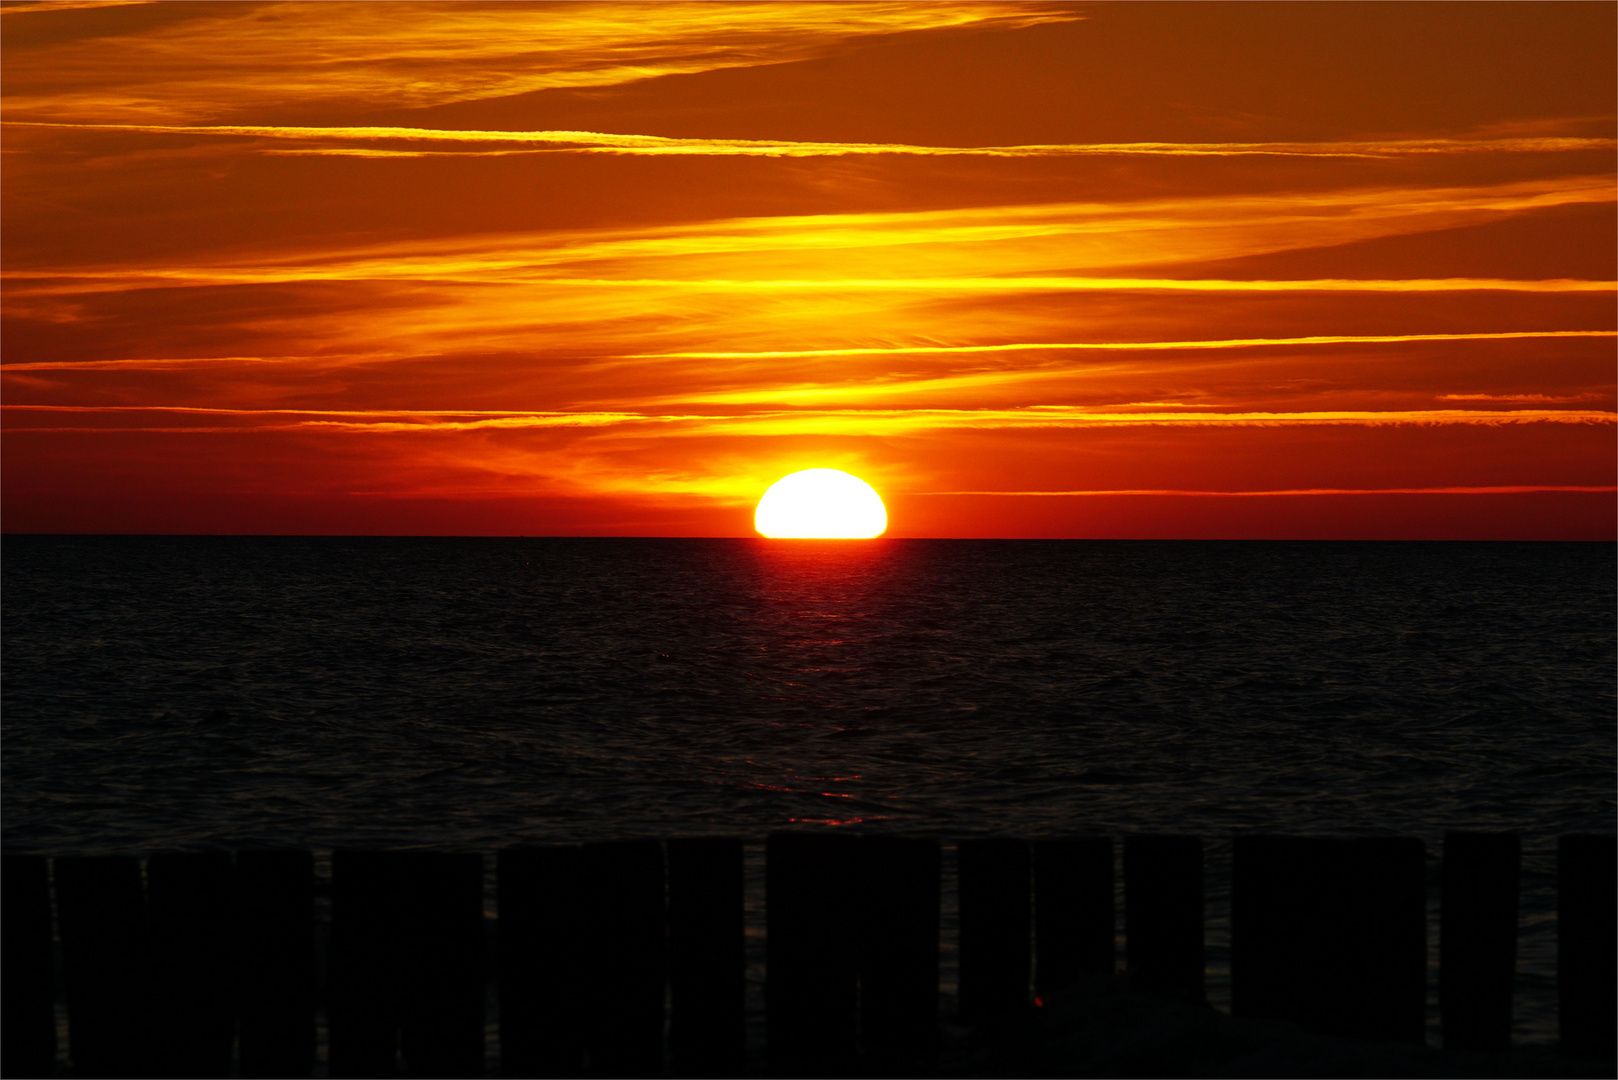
(1478, 939)
(1384, 980)
(361, 978)
(1163, 917)
(996, 929)
(1287, 934)
(189, 912)
(707, 957)
(1075, 924)
(27, 996)
(440, 963)
(1585, 943)
(899, 954)
(102, 909)
(626, 961)
(1331, 934)
(811, 990)
(275, 962)
(540, 961)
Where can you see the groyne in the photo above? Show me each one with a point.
(628, 958)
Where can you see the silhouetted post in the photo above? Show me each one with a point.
(1330, 934)
(541, 961)
(275, 962)
(1075, 925)
(27, 1020)
(1384, 982)
(189, 913)
(625, 966)
(996, 929)
(360, 972)
(1288, 936)
(1478, 939)
(102, 910)
(810, 989)
(1163, 915)
(899, 953)
(1585, 943)
(707, 957)
(440, 963)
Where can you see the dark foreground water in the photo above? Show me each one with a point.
(184, 692)
(173, 693)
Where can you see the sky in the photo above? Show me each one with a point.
(1209, 270)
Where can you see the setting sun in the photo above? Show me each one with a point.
(821, 504)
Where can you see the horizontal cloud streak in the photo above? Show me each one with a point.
(1541, 398)
(653, 145)
(231, 57)
(1120, 284)
(172, 363)
(153, 364)
(1114, 346)
(973, 249)
(1512, 489)
(91, 281)
(65, 5)
(843, 421)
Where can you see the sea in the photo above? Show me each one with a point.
(190, 693)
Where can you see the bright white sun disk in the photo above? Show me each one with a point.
(822, 504)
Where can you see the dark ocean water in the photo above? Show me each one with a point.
(183, 692)
(187, 692)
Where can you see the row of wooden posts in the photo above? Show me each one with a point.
(171, 965)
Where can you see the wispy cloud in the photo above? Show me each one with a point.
(157, 363)
(1128, 346)
(510, 142)
(66, 282)
(181, 363)
(1510, 489)
(1005, 247)
(20, 7)
(230, 57)
(1538, 398)
(731, 312)
(827, 421)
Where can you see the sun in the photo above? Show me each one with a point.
(822, 504)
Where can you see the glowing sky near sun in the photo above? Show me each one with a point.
(1030, 269)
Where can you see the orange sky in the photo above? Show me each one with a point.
(1031, 269)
